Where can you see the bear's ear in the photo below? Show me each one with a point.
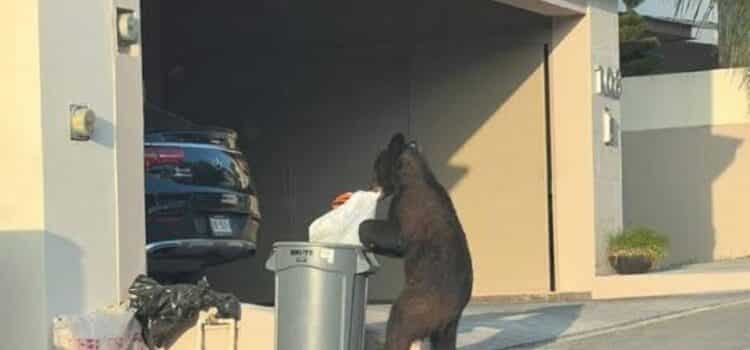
(397, 145)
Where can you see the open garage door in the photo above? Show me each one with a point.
(316, 88)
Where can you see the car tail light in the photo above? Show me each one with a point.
(156, 156)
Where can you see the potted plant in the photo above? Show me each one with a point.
(636, 250)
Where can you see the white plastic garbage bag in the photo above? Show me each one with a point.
(114, 328)
(341, 225)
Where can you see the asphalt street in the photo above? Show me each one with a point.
(721, 329)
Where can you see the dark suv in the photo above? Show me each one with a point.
(201, 202)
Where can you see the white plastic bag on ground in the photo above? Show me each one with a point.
(114, 328)
(341, 225)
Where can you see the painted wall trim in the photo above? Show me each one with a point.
(554, 8)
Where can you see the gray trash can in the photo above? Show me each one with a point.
(321, 295)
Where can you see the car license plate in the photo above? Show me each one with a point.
(221, 226)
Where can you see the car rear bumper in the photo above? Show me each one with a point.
(196, 253)
(187, 215)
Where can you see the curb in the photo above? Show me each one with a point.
(543, 298)
(626, 325)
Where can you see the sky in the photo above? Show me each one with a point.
(657, 7)
(662, 8)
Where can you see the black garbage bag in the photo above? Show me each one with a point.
(166, 312)
(227, 305)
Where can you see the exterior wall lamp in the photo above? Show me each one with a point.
(82, 120)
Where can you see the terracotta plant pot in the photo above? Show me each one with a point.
(630, 264)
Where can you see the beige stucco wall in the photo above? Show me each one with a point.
(59, 244)
(686, 161)
(715, 97)
(669, 284)
(570, 107)
(21, 205)
(481, 123)
(690, 183)
(21, 182)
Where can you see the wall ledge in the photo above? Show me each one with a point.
(667, 284)
(552, 8)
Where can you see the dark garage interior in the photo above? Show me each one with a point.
(314, 89)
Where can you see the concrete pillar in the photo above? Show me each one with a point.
(71, 213)
(587, 173)
(605, 53)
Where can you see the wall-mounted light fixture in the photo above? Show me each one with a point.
(128, 27)
(608, 128)
(82, 120)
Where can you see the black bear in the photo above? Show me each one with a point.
(423, 228)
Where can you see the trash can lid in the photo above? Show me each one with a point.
(322, 257)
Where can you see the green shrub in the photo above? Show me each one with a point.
(639, 241)
(639, 48)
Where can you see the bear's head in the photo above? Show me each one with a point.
(401, 163)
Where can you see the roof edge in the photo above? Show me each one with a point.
(552, 8)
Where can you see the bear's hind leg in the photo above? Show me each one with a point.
(401, 334)
(445, 339)
(410, 320)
